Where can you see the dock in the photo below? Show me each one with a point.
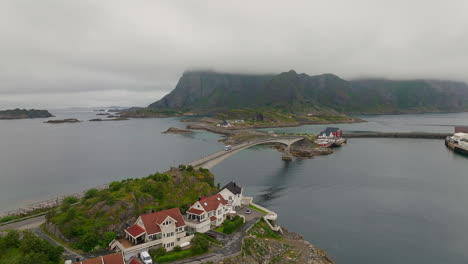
(397, 135)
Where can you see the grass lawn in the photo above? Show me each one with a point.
(258, 209)
(262, 230)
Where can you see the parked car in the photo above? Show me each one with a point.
(145, 257)
(227, 148)
(248, 211)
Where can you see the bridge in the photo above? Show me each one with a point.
(214, 159)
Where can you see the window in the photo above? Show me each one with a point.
(220, 211)
(230, 197)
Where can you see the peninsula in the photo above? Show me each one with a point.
(215, 224)
(24, 114)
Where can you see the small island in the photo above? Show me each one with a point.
(24, 114)
(175, 130)
(114, 118)
(63, 121)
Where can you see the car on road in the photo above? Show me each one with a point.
(227, 148)
(145, 257)
(248, 211)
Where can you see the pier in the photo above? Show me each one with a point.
(397, 135)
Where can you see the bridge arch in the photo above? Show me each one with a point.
(214, 159)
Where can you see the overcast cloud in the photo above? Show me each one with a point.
(60, 53)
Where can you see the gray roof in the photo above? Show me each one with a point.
(233, 187)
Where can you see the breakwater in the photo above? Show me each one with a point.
(396, 135)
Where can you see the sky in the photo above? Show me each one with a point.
(90, 53)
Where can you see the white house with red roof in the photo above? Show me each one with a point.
(207, 213)
(165, 229)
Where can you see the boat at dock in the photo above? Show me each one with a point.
(458, 143)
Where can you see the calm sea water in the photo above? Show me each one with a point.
(372, 201)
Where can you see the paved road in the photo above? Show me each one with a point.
(26, 224)
(67, 254)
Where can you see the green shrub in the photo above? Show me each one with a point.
(173, 256)
(115, 186)
(182, 167)
(154, 190)
(177, 249)
(155, 253)
(230, 226)
(91, 193)
(189, 168)
(70, 200)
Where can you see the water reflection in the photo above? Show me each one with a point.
(277, 184)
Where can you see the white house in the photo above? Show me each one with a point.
(164, 228)
(207, 213)
(232, 193)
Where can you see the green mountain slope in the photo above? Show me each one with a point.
(211, 92)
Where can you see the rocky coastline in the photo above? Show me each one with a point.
(290, 248)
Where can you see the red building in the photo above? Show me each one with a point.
(461, 129)
(331, 132)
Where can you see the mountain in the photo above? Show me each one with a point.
(23, 113)
(211, 92)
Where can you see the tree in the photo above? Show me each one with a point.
(11, 240)
(200, 244)
(108, 237)
(89, 241)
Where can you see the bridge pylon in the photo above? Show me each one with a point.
(287, 156)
